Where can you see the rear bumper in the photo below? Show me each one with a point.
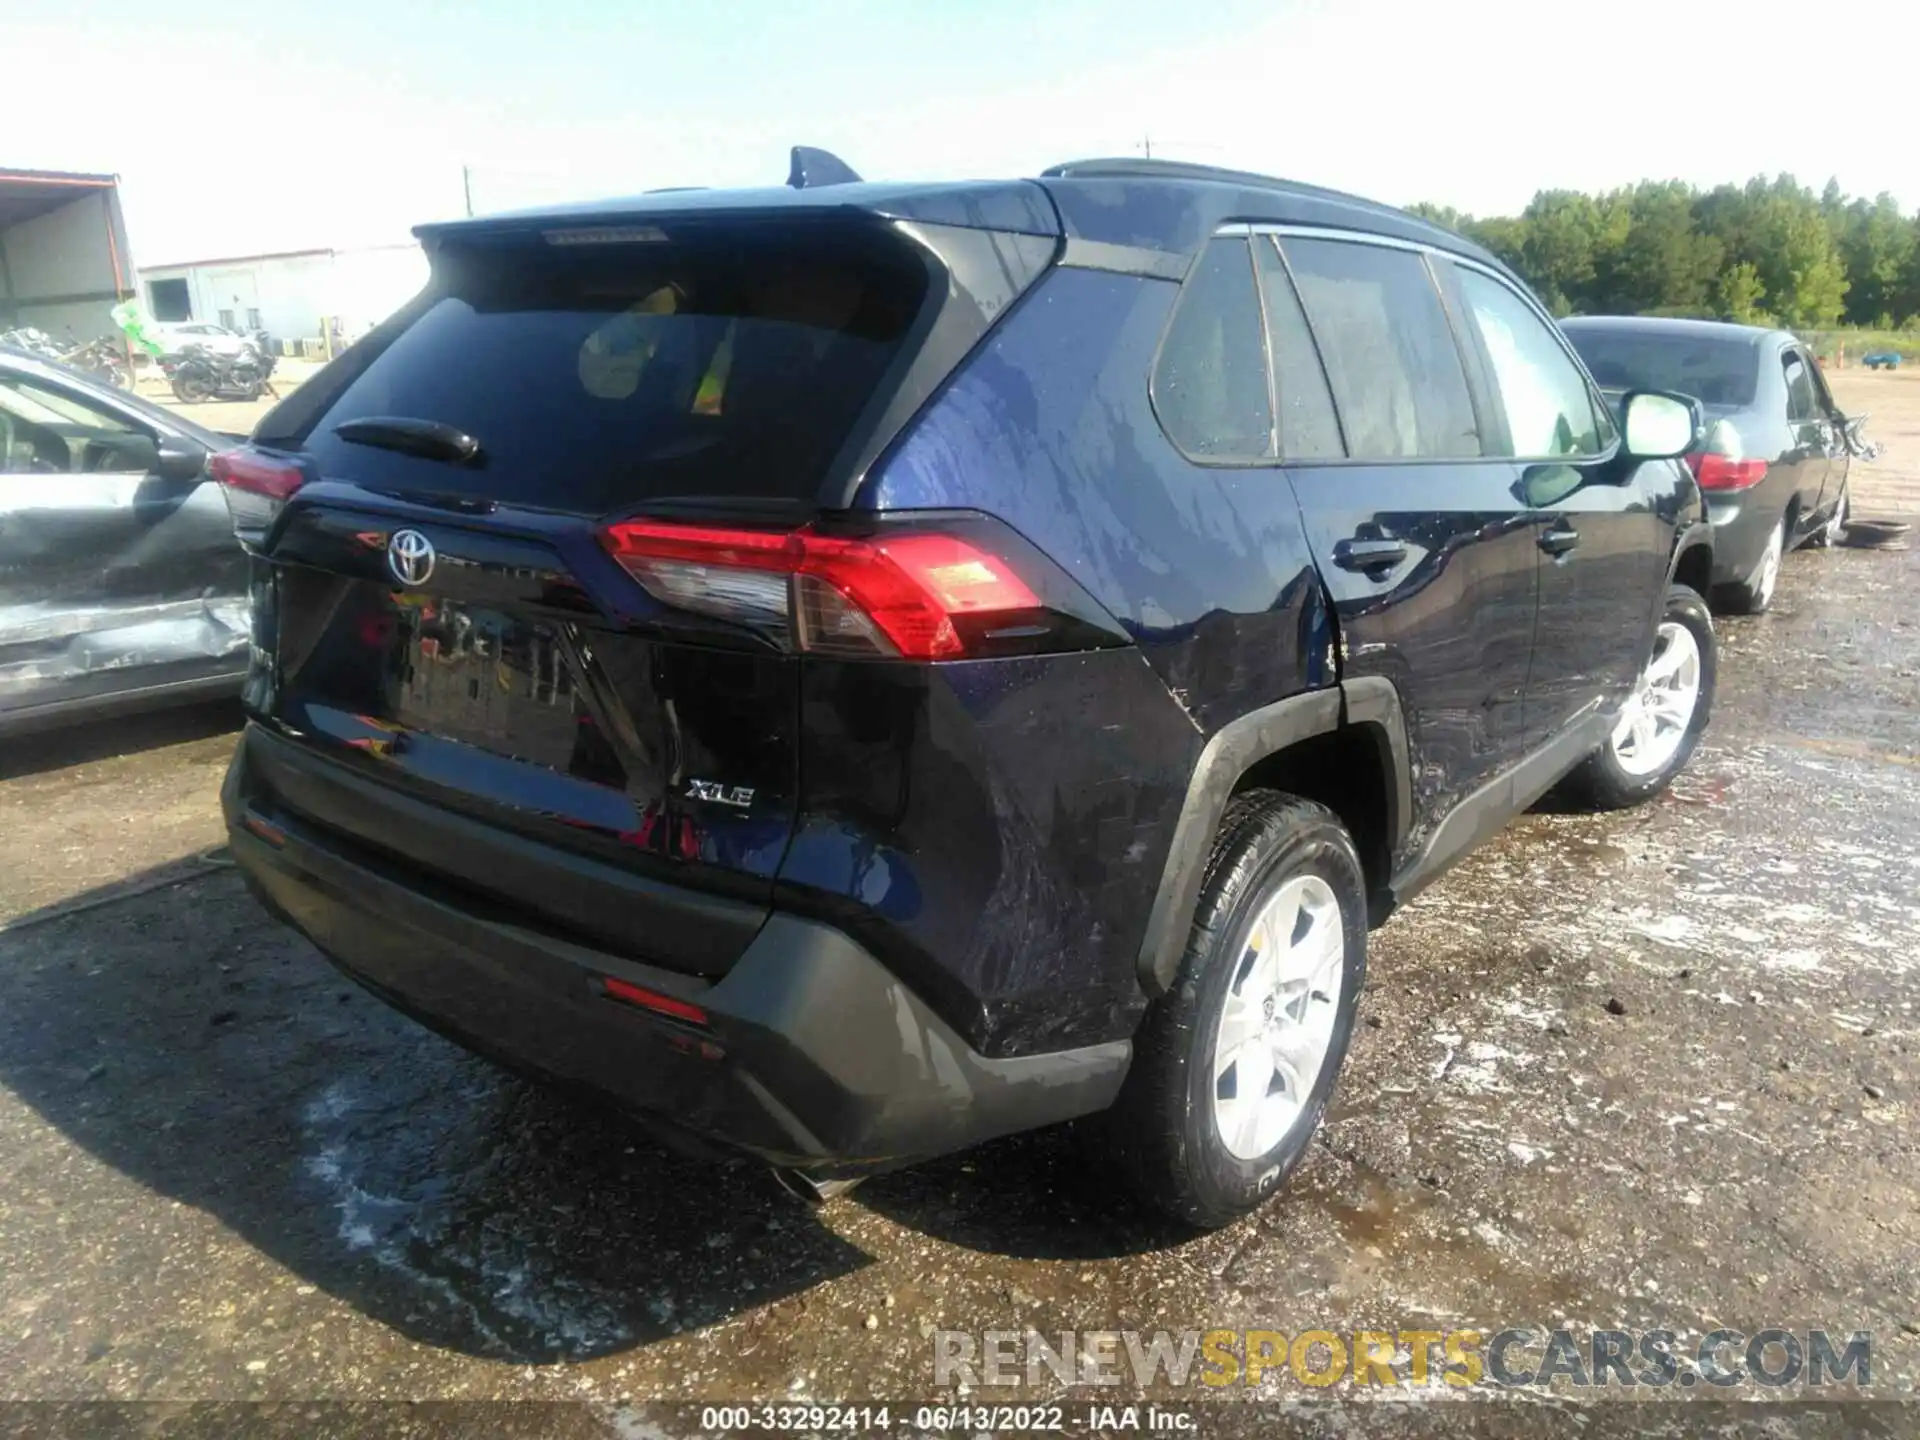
(1742, 528)
(814, 1055)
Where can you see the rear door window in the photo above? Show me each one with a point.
(1210, 385)
(599, 378)
(1309, 429)
(1800, 402)
(1389, 349)
(1549, 409)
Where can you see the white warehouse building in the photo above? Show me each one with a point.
(290, 295)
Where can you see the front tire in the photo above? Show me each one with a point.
(1660, 725)
(1234, 1067)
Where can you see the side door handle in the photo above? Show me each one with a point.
(1559, 539)
(1369, 556)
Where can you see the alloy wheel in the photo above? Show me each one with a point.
(1654, 722)
(1769, 575)
(1277, 1023)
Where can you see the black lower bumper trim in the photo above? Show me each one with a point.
(815, 1056)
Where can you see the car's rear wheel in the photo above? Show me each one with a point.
(1233, 1068)
(1661, 722)
(1754, 594)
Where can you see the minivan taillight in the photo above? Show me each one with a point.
(912, 593)
(257, 486)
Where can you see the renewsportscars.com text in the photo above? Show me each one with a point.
(1516, 1357)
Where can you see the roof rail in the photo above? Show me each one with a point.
(1135, 168)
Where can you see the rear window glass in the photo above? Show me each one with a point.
(603, 377)
(1714, 371)
(1308, 428)
(1389, 350)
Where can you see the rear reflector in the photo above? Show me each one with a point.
(1721, 473)
(265, 829)
(653, 1000)
(907, 594)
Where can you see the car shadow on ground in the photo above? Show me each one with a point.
(185, 1039)
(86, 741)
(1052, 1194)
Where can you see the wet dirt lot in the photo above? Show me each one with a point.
(1657, 1069)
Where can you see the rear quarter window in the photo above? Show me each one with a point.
(1210, 386)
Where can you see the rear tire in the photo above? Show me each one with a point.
(1753, 595)
(1234, 1066)
(1661, 723)
(191, 390)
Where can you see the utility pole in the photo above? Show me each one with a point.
(1146, 144)
(466, 186)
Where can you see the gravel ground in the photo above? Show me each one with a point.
(1656, 1069)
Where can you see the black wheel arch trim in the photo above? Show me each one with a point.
(1368, 701)
(1694, 537)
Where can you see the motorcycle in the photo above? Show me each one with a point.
(198, 375)
(104, 360)
(34, 342)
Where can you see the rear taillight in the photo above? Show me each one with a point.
(1726, 472)
(1722, 464)
(257, 486)
(914, 593)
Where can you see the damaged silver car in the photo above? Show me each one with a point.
(121, 585)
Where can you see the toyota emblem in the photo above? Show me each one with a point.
(410, 557)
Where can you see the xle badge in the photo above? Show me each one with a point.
(740, 796)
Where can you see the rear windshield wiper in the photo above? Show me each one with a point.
(428, 439)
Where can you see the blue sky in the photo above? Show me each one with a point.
(274, 126)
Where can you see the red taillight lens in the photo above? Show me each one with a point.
(889, 595)
(1725, 472)
(668, 1005)
(256, 473)
(257, 486)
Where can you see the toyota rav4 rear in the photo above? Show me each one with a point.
(591, 725)
(854, 670)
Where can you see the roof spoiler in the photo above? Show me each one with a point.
(812, 168)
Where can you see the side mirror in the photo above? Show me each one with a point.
(179, 459)
(1660, 425)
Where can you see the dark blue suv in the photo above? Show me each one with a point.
(851, 670)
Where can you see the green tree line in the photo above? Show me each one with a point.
(1769, 252)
